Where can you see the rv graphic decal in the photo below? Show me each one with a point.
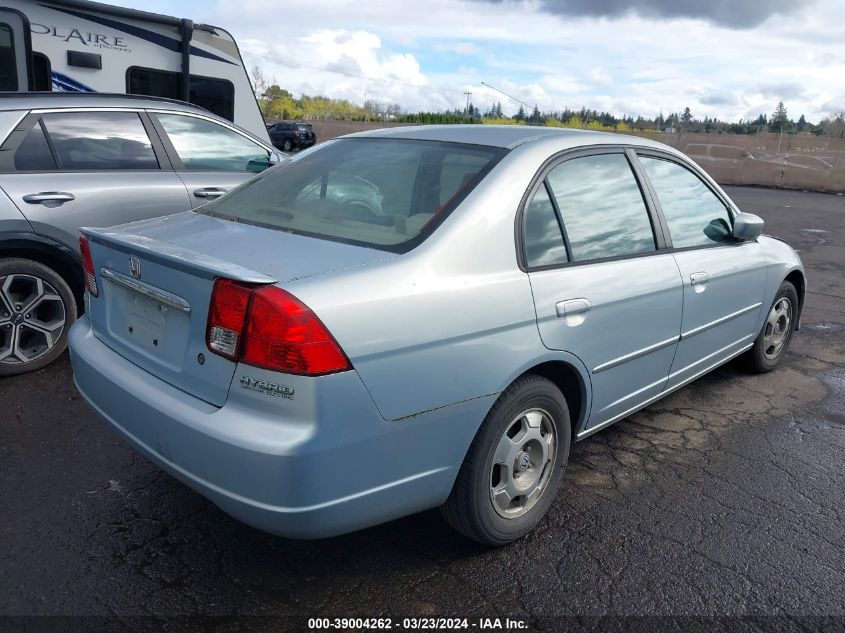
(63, 83)
(144, 34)
(95, 40)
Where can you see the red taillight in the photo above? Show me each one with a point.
(268, 327)
(88, 267)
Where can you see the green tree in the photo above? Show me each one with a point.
(686, 117)
(802, 124)
(779, 121)
(520, 116)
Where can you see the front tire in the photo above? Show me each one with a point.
(773, 340)
(514, 465)
(37, 307)
(287, 145)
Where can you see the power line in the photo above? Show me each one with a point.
(506, 94)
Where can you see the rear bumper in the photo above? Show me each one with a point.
(322, 464)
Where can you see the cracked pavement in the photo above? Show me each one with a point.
(726, 499)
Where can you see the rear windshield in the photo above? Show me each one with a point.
(383, 193)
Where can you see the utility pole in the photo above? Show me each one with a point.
(468, 94)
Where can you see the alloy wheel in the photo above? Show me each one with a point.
(523, 463)
(32, 318)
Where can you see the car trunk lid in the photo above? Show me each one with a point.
(155, 282)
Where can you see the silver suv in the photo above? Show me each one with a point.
(71, 160)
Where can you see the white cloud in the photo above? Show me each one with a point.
(427, 57)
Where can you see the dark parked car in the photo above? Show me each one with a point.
(291, 136)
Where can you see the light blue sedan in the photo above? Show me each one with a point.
(314, 365)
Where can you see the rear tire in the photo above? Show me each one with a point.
(773, 340)
(287, 145)
(514, 465)
(37, 308)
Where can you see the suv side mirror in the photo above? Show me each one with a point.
(260, 164)
(747, 227)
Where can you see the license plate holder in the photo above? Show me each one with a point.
(147, 322)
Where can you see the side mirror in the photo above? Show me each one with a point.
(747, 227)
(260, 164)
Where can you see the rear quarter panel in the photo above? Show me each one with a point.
(450, 321)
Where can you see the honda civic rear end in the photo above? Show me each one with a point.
(225, 344)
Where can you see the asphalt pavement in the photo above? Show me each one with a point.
(718, 508)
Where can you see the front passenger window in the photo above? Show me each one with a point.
(696, 217)
(207, 146)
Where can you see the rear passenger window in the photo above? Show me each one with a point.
(100, 141)
(34, 153)
(696, 217)
(544, 245)
(604, 214)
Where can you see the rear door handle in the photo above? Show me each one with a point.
(49, 196)
(573, 311)
(699, 281)
(209, 192)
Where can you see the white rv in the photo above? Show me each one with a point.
(82, 46)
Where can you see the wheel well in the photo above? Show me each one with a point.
(796, 278)
(568, 380)
(64, 262)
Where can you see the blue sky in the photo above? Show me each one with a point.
(729, 59)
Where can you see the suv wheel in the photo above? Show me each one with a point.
(513, 468)
(36, 309)
(287, 145)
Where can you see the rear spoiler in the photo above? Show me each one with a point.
(175, 257)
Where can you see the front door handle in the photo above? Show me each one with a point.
(209, 192)
(58, 197)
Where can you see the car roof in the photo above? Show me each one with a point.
(507, 136)
(33, 100)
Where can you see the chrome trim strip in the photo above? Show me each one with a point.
(145, 289)
(719, 321)
(636, 393)
(635, 354)
(226, 124)
(683, 370)
(665, 392)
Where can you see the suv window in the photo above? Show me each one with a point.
(100, 141)
(34, 153)
(603, 210)
(387, 193)
(695, 216)
(206, 146)
(543, 238)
